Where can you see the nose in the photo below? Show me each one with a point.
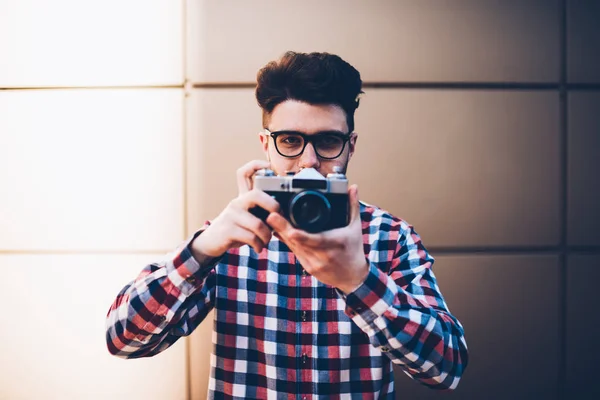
(309, 158)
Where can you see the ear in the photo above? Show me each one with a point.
(264, 141)
(352, 144)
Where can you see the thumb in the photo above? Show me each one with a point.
(354, 203)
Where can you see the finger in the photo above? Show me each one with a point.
(278, 223)
(354, 203)
(245, 173)
(242, 235)
(257, 198)
(255, 225)
(251, 240)
(289, 234)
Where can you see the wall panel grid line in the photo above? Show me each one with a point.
(562, 271)
(185, 141)
(109, 87)
(83, 252)
(513, 86)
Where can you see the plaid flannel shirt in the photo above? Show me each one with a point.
(280, 333)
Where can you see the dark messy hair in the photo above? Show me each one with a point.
(315, 78)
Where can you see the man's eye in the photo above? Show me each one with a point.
(291, 140)
(330, 141)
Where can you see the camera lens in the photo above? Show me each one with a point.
(310, 211)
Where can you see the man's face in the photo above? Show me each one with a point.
(310, 120)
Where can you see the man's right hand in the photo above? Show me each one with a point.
(236, 226)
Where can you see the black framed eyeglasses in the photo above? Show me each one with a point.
(327, 144)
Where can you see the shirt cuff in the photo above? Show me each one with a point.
(371, 299)
(184, 270)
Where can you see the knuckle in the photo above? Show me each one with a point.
(256, 225)
(274, 203)
(295, 235)
(245, 199)
(265, 242)
(265, 234)
(245, 237)
(265, 229)
(233, 204)
(249, 198)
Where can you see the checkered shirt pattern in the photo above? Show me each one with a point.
(281, 334)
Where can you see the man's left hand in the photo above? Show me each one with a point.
(335, 257)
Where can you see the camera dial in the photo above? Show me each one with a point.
(265, 172)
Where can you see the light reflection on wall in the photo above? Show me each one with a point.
(91, 188)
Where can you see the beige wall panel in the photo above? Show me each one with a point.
(583, 40)
(466, 168)
(83, 43)
(391, 40)
(223, 127)
(91, 169)
(200, 349)
(53, 335)
(222, 135)
(508, 307)
(584, 165)
(583, 327)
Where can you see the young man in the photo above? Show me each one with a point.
(299, 315)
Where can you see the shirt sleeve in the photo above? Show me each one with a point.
(405, 316)
(167, 300)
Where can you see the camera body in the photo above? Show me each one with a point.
(308, 200)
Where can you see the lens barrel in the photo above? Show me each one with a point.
(310, 211)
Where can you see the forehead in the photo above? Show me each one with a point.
(308, 118)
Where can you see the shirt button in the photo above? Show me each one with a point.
(303, 316)
(191, 280)
(304, 273)
(304, 358)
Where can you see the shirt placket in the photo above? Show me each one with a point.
(305, 323)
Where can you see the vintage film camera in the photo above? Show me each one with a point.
(308, 200)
